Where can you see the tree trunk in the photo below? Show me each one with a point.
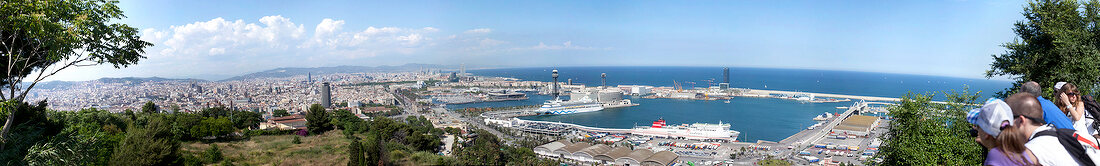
(7, 126)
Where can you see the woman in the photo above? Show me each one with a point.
(995, 131)
(1069, 100)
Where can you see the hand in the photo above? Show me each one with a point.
(1064, 99)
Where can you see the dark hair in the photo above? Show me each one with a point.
(1025, 104)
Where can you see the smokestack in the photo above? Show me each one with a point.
(603, 78)
(569, 81)
(554, 87)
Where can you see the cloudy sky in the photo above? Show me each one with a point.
(218, 39)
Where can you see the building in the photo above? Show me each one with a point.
(857, 125)
(662, 158)
(610, 156)
(634, 158)
(326, 95)
(583, 153)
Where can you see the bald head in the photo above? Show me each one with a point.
(1025, 104)
(1031, 87)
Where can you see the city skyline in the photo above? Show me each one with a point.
(194, 40)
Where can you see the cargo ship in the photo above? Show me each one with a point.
(695, 131)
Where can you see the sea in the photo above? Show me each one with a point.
(756, 118)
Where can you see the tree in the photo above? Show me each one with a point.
(355, 153)
(152, 144)
(245, 119)
(1056, 42)
(46, 37)
(317, 119)
(212, 127)
(212, 154)
(149, 108)
(926, 133)
(280, 113)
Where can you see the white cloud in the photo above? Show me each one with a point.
(217, 51)
(201, 38)
(479, 31)
(567, 45)
(231, 47)
(328, 26)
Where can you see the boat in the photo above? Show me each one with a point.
(558, 106)
(727, 101)
(505, 96)
(824, 116)
(695, 131)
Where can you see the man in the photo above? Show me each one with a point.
(1028, 113)
(1052, 114)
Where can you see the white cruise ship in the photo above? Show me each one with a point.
(696, 131)
(570, 107)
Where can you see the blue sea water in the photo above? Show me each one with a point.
(756, 118)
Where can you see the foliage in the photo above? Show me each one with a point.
(152, 144)
(355, 153)
(149, 108)
(927, 133)
(1056, 42)
(245, 119)
(212, 127)
(317, 119)
(212, 154)
(280, 113)
(297, 140)
(46, 37)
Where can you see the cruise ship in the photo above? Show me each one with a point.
(696, 131)
(570, 107)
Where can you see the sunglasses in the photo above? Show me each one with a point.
(1033, 119)
(973, 132)
(1072, 94)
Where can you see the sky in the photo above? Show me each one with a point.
(219, 39)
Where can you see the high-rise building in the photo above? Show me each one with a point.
(326, 95)
(309, 78)
(725, 79)
(725, 75)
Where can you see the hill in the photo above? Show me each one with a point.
(293, 71)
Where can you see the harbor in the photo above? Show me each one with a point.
(715, 124)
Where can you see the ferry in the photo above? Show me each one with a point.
(570, 107)
(695, 131)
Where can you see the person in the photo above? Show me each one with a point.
(1052, 113)
(1050, 146)
(996, 131)
(1069, 101)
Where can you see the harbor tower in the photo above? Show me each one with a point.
(603, 80)
(554, 86)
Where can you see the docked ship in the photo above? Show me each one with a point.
(695, 131)
(505, 96)
(570, 107)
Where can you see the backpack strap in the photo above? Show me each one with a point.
(1072, 143)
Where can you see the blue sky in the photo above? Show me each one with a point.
(216, 39)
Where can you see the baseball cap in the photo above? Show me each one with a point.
(1058, 86)
(991, 116)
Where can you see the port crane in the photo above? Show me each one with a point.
(677, 86)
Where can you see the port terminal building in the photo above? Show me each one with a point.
(585, 153)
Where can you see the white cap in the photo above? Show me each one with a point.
(1058, 86)
(991, 116)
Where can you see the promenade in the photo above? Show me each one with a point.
(757, 92)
